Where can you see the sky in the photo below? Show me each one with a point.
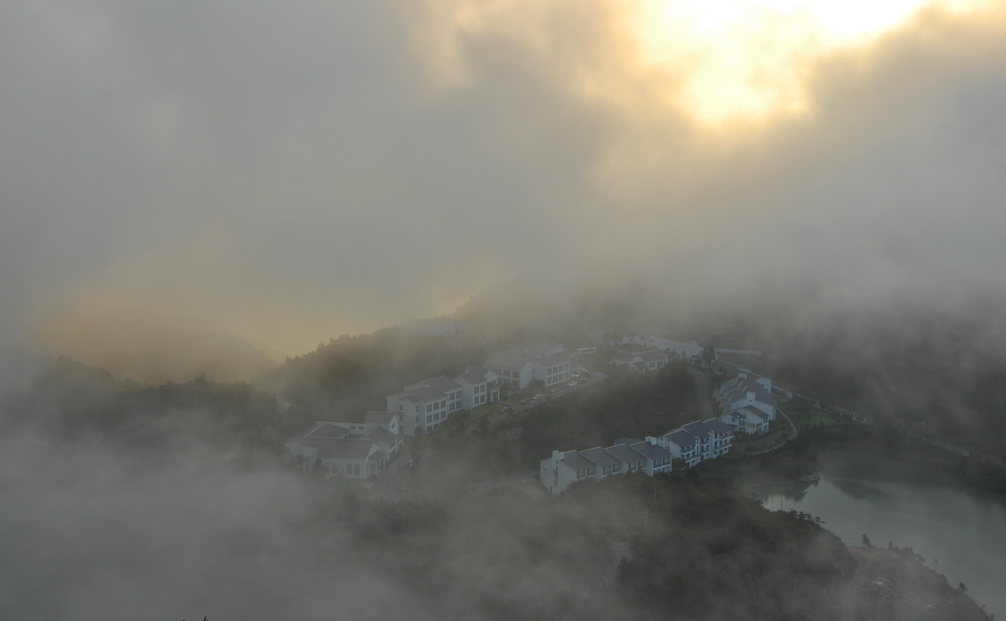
(288, 172)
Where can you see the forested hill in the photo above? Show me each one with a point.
(352, 374)
(70, 401)
(936, 374)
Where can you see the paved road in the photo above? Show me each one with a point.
(704, 392)
(789, 420)
(587, 378)
(785, 439)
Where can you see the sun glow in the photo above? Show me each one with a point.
(737, 59)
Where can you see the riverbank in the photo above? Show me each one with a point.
(955, 530)
(889, 586)
(903, 455)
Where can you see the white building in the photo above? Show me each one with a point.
(479, 386)
(515, 371)
(693, 443)
(747, 419)
(540, 361)
(681, 445)
(641, 362)
(350, 450)
(552, 369)
(697, 441)
(563, 468)
(746, 401)
(425, 406)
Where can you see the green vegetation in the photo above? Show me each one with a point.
(72, 401)
(686, 546)
(625, 405)
(806, 416)
(930, 374)
(353, 374)
(719, 555)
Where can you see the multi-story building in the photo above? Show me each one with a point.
(539, 361)
(425, 406)
(745, 400)
(350, 450)
(479, 386)
(563, 468)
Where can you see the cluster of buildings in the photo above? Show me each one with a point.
(745, 399)
(359, 450)
(348, 450)
(692, 444)
(426, 405)
(746, 406)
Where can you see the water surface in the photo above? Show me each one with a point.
(960, 532)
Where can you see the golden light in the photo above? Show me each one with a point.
(746, 59)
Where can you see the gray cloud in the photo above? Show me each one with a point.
(289, 173)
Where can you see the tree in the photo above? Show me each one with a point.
(866, 541)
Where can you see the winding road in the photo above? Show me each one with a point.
(704, 393)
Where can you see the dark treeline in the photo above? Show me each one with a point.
(934, 374)
(687, 546)
(934, 367)
(348, 376)
(72, 401)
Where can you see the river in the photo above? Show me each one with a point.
(960, 532)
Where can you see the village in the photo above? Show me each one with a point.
(740, 406)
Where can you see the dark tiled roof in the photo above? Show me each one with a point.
(379, 418)
(380, 434)
(623, 453)
(552, 359)
(650, 451)
(597, 455)
(324, 431)
(652, 355)
(345, 449)
(573, 460)
(681, 438)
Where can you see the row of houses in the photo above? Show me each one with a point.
(348, 450)
(426, 405)
(692, 444)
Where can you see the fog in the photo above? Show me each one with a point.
(286, 174)
(185, 527)
(209, 187)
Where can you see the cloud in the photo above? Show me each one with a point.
(292, 173)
